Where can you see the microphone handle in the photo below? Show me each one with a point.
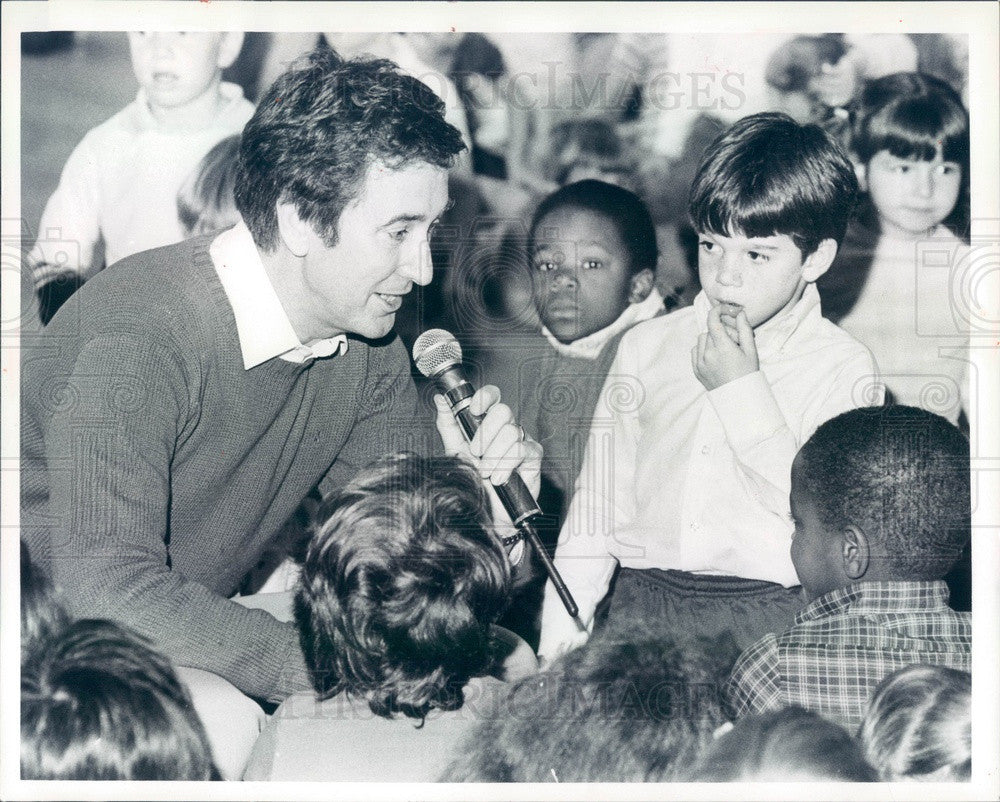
(527, 528)
(514, 494)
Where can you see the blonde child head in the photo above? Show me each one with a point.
(180, 71)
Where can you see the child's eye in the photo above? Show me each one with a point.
(706, 245)
(399, 234)
(949, 168)
(902, 167)
(591, 264)
(757, 256)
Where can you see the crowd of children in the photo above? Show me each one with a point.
(396, 606)
(755, 507)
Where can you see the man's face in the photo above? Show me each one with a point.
(816, 551)
(382, 250)
(176, 67)
(764, 275)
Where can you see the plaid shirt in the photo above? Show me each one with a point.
(844, 643)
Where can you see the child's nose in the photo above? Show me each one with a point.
(161, 44)
(562, 279)
(729, 274)
(924, 182)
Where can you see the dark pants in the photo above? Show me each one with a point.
(681, 605)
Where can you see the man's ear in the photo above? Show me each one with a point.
(295, 232)
(229, 49)
(819, 261)
(640, 286)
(856, 552)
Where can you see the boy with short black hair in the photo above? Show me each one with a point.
(120, 183)
(880, 501)
(685, 480)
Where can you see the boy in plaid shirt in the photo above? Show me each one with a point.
(880, 500)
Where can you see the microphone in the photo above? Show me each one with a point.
(438, 356)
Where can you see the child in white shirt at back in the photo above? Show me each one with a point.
(120, 183)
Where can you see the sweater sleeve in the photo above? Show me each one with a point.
(109, 446)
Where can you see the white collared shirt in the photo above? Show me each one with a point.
(677, 477)
(120, 185)
(261, 322)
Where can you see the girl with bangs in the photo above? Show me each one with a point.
(896, 284)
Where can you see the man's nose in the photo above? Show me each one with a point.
(417, 264)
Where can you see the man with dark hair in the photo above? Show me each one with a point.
(881, 505)
(186, 402)
(400, 589)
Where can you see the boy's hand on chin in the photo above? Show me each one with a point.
(719, 358)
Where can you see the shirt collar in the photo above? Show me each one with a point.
(876, 598)
(770, 337)
(590, 347)
(261, 323)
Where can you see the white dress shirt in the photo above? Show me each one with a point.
(677, 477)
(263, 327)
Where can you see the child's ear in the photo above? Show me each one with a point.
(229, 49)
(640, 286)
(295, 232)
(856, 552)
(819, 261)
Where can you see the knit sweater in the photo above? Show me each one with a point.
(156, 468)
(558, 393)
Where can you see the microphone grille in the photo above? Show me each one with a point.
(435, 349)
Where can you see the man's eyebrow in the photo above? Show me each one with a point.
(415, 218)
(403, 218)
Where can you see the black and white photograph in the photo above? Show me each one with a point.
(460, 400)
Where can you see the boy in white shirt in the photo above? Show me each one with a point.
(120, 183)
(686, 478)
